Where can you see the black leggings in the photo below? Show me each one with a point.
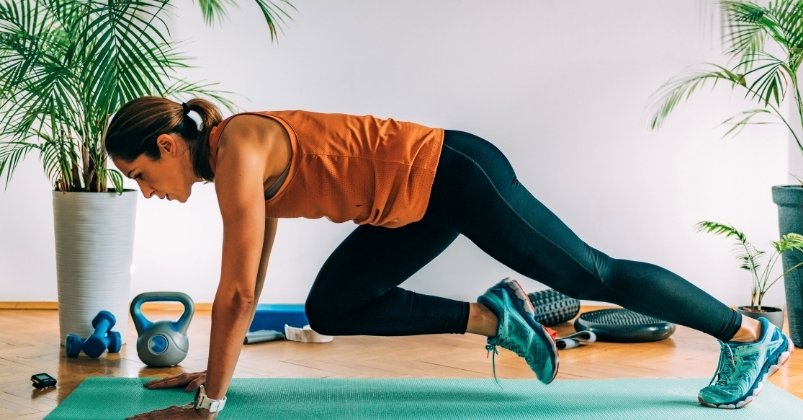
(476, 193)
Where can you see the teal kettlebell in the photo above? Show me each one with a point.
(162, 343)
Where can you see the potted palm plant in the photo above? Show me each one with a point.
(765, 44)
(752, 260)
(65, 67)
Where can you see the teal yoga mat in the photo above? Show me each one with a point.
(110, 398)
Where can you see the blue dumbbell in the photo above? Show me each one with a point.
(74, 343)
(101, 340)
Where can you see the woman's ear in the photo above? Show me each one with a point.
(166, 143)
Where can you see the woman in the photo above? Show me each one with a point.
(412, 189)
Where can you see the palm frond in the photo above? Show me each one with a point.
(746, 27)
(127, 53)
(788, 242)
(274, 14)
(750, 257)
(682, 87)
(789, 16)
(21, 40)
(61, 160)
(770, 85)
(11, 154)
(182, 88)
(116, 178)
(721, 229)
(213, 10)
(739, 121)
(273, 11)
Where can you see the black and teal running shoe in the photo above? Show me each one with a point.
(743, 368)
(518, 330)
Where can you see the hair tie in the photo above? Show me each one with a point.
(185, 107)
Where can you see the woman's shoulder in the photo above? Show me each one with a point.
(249, 133)
(247, 124)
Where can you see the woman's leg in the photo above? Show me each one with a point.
(356, 290)
(477, 193)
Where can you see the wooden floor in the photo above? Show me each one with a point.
(29, 343)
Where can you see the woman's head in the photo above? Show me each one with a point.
(155, 141)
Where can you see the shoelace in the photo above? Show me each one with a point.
(724, 369)
(493, 352)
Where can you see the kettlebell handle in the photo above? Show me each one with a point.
(142, 323)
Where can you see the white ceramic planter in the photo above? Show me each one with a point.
(94, 246)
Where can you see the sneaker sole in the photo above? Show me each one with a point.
(528, 307)
(782, 359)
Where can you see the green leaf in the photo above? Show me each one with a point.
(721, 229)
(116, 178)
(769, 86)
(788, 15)
(181, 88)
(746, 27)
(274, 14)
(680, 88)
(11, 154)
(742, 119)
(213, 10)
(788, 242)
(751, 255)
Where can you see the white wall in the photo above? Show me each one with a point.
(561, 87)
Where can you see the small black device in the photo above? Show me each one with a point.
(43, 380)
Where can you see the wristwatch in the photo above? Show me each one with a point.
(204, 402)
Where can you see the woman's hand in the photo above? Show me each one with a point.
(175, 412)
(192, 381)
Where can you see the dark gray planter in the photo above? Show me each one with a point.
(773, 315)
(789, 199)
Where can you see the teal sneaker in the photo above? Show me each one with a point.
(518, 330)
(743, 367)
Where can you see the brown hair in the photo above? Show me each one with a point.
(134, 128)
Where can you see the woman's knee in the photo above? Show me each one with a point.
(322, 315)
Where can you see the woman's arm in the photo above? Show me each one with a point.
(239, 187)
(191, 381)
(267, 246)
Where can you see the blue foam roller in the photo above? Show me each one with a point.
(261, 336)
(271, 316)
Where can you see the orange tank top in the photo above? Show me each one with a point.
(347, 167)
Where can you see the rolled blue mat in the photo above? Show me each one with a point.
(273, 316)
(261, 336)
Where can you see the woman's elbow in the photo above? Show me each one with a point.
(236, 299)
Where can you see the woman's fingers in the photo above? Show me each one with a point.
(174, 381)
(196, 383)
(164, 382)
(174, 412)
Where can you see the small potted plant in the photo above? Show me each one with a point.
(751, 259)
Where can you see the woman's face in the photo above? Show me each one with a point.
(171, 176)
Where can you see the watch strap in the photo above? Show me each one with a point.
(206, 403)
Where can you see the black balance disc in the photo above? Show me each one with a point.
(623, 326)
(553, 307)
